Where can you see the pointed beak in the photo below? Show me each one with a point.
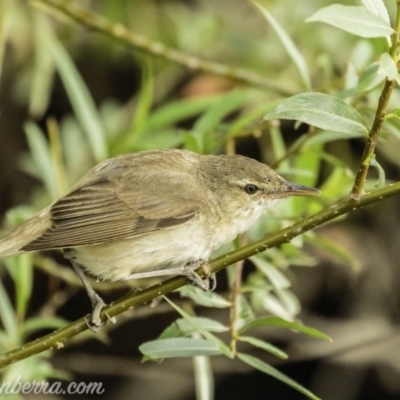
(294, 189)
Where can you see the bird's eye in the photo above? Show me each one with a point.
(250, 189)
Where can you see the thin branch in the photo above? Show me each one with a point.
(235, 310)
(361, 176)
(120, 33)
(56, 340)
(295, 147)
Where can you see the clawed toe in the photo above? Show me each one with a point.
(95, 323)
(189, 270)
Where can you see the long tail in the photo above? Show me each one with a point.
(13, 243)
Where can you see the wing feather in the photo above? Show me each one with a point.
(113, 206)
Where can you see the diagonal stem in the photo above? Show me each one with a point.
(369, 149)
(56, 340)
(361, 176)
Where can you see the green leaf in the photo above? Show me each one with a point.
(193, 141)
(41, 155)
(329, 136)
(264, 346)
(219, 344)
(269, 370)
(276, 277)
(289, 301)
(378, 8)
(277, 321)
(357, 20)
(145, 99)
(337, 250)
(176, 111)
(338, 183)
(277, 303)
(320, 110)
(43, 68)
(207, 299)
(81, 100)
(21, 269)
(309, 161)
(6, 342)
(240, 126)
(290, 47)
(394, 114)
(219, 110)
(6, 21)
(244, 312)
(370, 77)
(387, 67)
(182, 347)
(381, 172)
(35, 324)
(7, 313)
(167, 138)
(182, 328)
(278, 145)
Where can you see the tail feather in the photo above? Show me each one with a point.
(13, 243)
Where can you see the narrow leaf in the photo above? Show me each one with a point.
(175, 111)
(336, 250)
(23, 278)
(381, 172)
(277, 321)
(207, 299)
(290, 47)
(81, 100)
(264, 346)
(387, 67)
(329, 136)
(181, 327)
(394, 114)
(7, 313)
(43, 68)
(41, 155)
(370, 77)
(145, 99)
(276, 277)
(182, 347)
(35, 324)
(211, 118)
(209, 336)
(320, 110)
(270, 370)
(357, 20)
(6, 21)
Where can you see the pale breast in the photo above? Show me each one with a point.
(157, 250)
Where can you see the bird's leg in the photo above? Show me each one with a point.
(95, 322)
(188, 270)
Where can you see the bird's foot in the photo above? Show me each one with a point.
(95, 323)
(189, 270)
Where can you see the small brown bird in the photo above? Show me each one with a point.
(152, 213)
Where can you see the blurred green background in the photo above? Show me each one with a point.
(70, 97)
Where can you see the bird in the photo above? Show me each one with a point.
(152, 213)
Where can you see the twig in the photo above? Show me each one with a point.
(236, 292)
(361, 176)
(56, 340)
(120, 33)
